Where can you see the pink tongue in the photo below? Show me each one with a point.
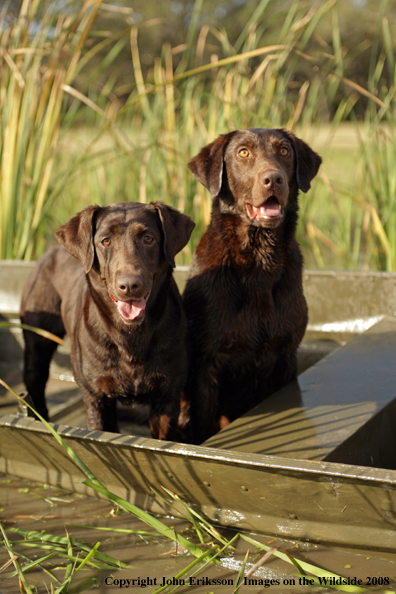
(270, 208)
(131, 309)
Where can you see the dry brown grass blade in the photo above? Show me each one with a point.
(13, 66)
(77, 51)
(324, 239)
(81, 97)
(360, 89)
(40, 331)
(300, 105)
(8, 563)
(261, 561)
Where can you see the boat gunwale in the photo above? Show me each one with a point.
(325, 469)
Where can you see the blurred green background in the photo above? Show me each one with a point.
(107, 101)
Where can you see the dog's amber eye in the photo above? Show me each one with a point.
(106, 242)
(243, 152)
(284, 151)
(147, 239)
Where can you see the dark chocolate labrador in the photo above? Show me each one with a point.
(244, 300)
(110, 288)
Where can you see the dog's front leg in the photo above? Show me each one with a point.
(38, 354)
(101, 413)
(203, 391)
(284, 371)
(164, 414)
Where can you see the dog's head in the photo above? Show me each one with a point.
(256, 173)
(127, 244)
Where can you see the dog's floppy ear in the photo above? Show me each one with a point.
(207, 166)
(76, 236)
(307, 162)
(177, 228)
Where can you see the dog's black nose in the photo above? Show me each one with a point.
(272, 180)
(129, 284)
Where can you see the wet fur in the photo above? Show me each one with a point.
(244, 301)
(68, 291)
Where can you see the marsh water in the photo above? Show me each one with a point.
(154, 561)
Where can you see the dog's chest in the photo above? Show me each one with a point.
(117, 371)
(245, 302)
(252, 316)
(136, 380)
(247, 333)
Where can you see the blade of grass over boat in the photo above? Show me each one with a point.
(39, 331)
(191, 514)
(146, 518)
(79, 463)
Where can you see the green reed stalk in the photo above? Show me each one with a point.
(35, 74)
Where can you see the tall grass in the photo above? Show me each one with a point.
(138, 149)
(356, 227)
(41, 53)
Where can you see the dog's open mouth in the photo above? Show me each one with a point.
(271, 209)
(131, 309)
